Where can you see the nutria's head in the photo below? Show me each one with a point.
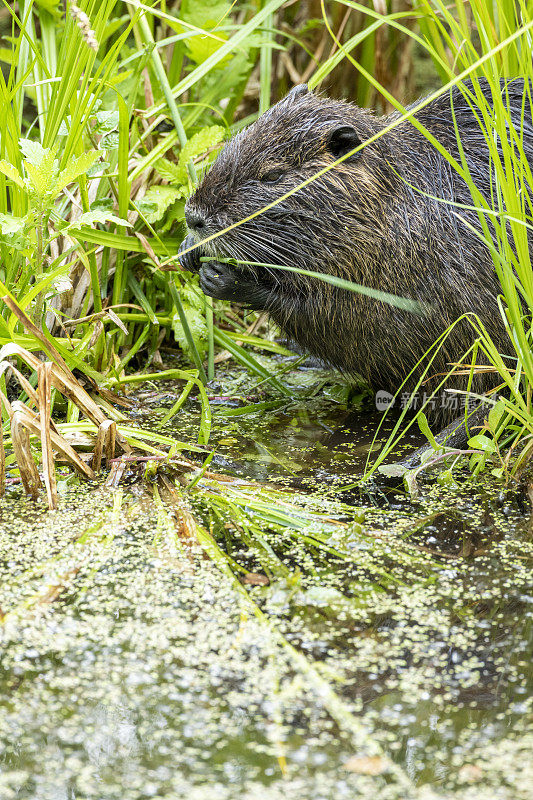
(317, 226)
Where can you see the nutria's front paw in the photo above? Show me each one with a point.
(219, 280)
(191, 260)
(225, 282)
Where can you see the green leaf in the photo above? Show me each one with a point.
(206, 416)
(156, 201)
(103, 204)
(482, 442)
(98, 215)
(40, 165)
(203, 140)
(411, 484)
(445, 477)
(110, 141)
(10, 172)
(8, 56)
(495, 415)
(52, 6)
(106, 121)
(11, 225)
(33, 152)
(176, 213)
(98, 168)
(193, 305)
(76, 167)
(136, 288)
(200, 48)
(40, 180)
(13, 232)
(425, 429)
(396, 470)
(247, 360)
(232, 45)
(337, 393)
(477, 462)
(168, 170)
(204, 13)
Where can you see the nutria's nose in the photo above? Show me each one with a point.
(194, 219)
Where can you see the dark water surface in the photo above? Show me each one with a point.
(384, 653)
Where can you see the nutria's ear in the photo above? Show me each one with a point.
(297, 92)
(342, 140)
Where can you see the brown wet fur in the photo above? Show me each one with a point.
(369, 220)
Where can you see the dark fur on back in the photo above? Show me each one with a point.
(372, 220)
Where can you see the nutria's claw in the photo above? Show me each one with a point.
(191, 260)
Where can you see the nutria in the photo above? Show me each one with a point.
(374, 219)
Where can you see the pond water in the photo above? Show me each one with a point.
(261, 641)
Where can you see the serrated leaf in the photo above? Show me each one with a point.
(97, 169)
(176, 213)
(193, 306)
(40, 180)
(98, 215)
(200, 48)
(40, 164)
(33, 152)
(11, 225)
(160, 196)
(205, 13)
(103, 204)
(13, 232)
(226, 82)
(168, 170)
(76, 167)
(106, 121)
(10, 172)
(197, 328)
(110, 141)
(203, 140)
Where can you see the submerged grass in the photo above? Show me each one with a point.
(302, 668)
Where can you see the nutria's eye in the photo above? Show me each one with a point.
(273, 176)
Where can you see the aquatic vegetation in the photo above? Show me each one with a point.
(366, 653)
